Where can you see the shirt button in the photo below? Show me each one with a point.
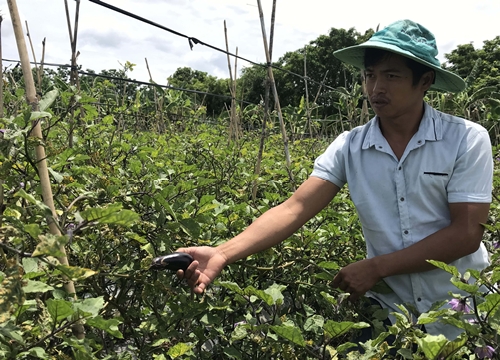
(405, 232)
(400, 168)
(419, 141)
(419, 299)
(402, 199)
(380, 147)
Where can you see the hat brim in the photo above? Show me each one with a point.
(355, 55)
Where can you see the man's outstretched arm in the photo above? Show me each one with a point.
(271, 228)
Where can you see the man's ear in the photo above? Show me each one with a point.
(428, 79)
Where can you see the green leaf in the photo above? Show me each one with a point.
(48, 99)
(191, 227)
(348, 346)
(59, 309)
(30, 265)
(275, 291)
(35, 115)
(495, 276)
(179, 350)
(250, 290)
(37, 352)
(443, 266)
(232, 353)
(329, 265)
(290, 333)
(324, 276)
(334, 329)
(231, 286)
(75, 273)
(329, 298)
(160, 342)
(33, 286)
(57, 177)
(453, 346)
(110, 325)
(432, 345)
(239, 333)
(470, 288)
(90, 306)
(430, 317)
(314, 323)
(50, 245)
(471, 329)
(31, 199)
(33, 229)
(491, 304)
(112, 214)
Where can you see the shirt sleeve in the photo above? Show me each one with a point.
(330, 165)
(472, 176)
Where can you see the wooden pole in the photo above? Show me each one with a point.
(36, 132)
(263, 133)
(308, 114)
(233, 133)
(38, 76)
(275, 93)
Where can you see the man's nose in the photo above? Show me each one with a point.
(377, 85)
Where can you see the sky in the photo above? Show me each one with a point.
(107, 39)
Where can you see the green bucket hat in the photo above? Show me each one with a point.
(408, 39)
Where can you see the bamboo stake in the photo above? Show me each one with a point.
(275, 93)
(234, 108)
(161, 124)
(36, 132)
(233, 134)
(263, 133)
(73, 40)
(320, 86)
(38, 77)
(42, 61)
(308, 114)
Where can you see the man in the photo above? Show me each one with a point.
(421, 182)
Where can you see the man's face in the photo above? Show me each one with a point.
(390, 89)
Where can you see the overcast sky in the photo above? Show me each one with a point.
(107, 38)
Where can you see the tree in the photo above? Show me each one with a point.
(319, 58)
(187, 78)
(463, 59)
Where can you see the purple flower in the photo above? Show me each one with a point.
(496, 245)
(21, 185)
(2, 131)
(484, 352)
(459, 305)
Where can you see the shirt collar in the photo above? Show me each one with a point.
(430, 128)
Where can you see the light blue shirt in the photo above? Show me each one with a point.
(400, 202)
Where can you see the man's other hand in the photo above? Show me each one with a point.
(357, 278)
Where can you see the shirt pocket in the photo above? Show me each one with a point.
(434, 183)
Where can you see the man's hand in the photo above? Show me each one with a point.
(207, 264)
(357, 278)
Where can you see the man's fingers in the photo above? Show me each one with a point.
(191, 270)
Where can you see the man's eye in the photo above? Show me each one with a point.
(391, 76)
(368, 76)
